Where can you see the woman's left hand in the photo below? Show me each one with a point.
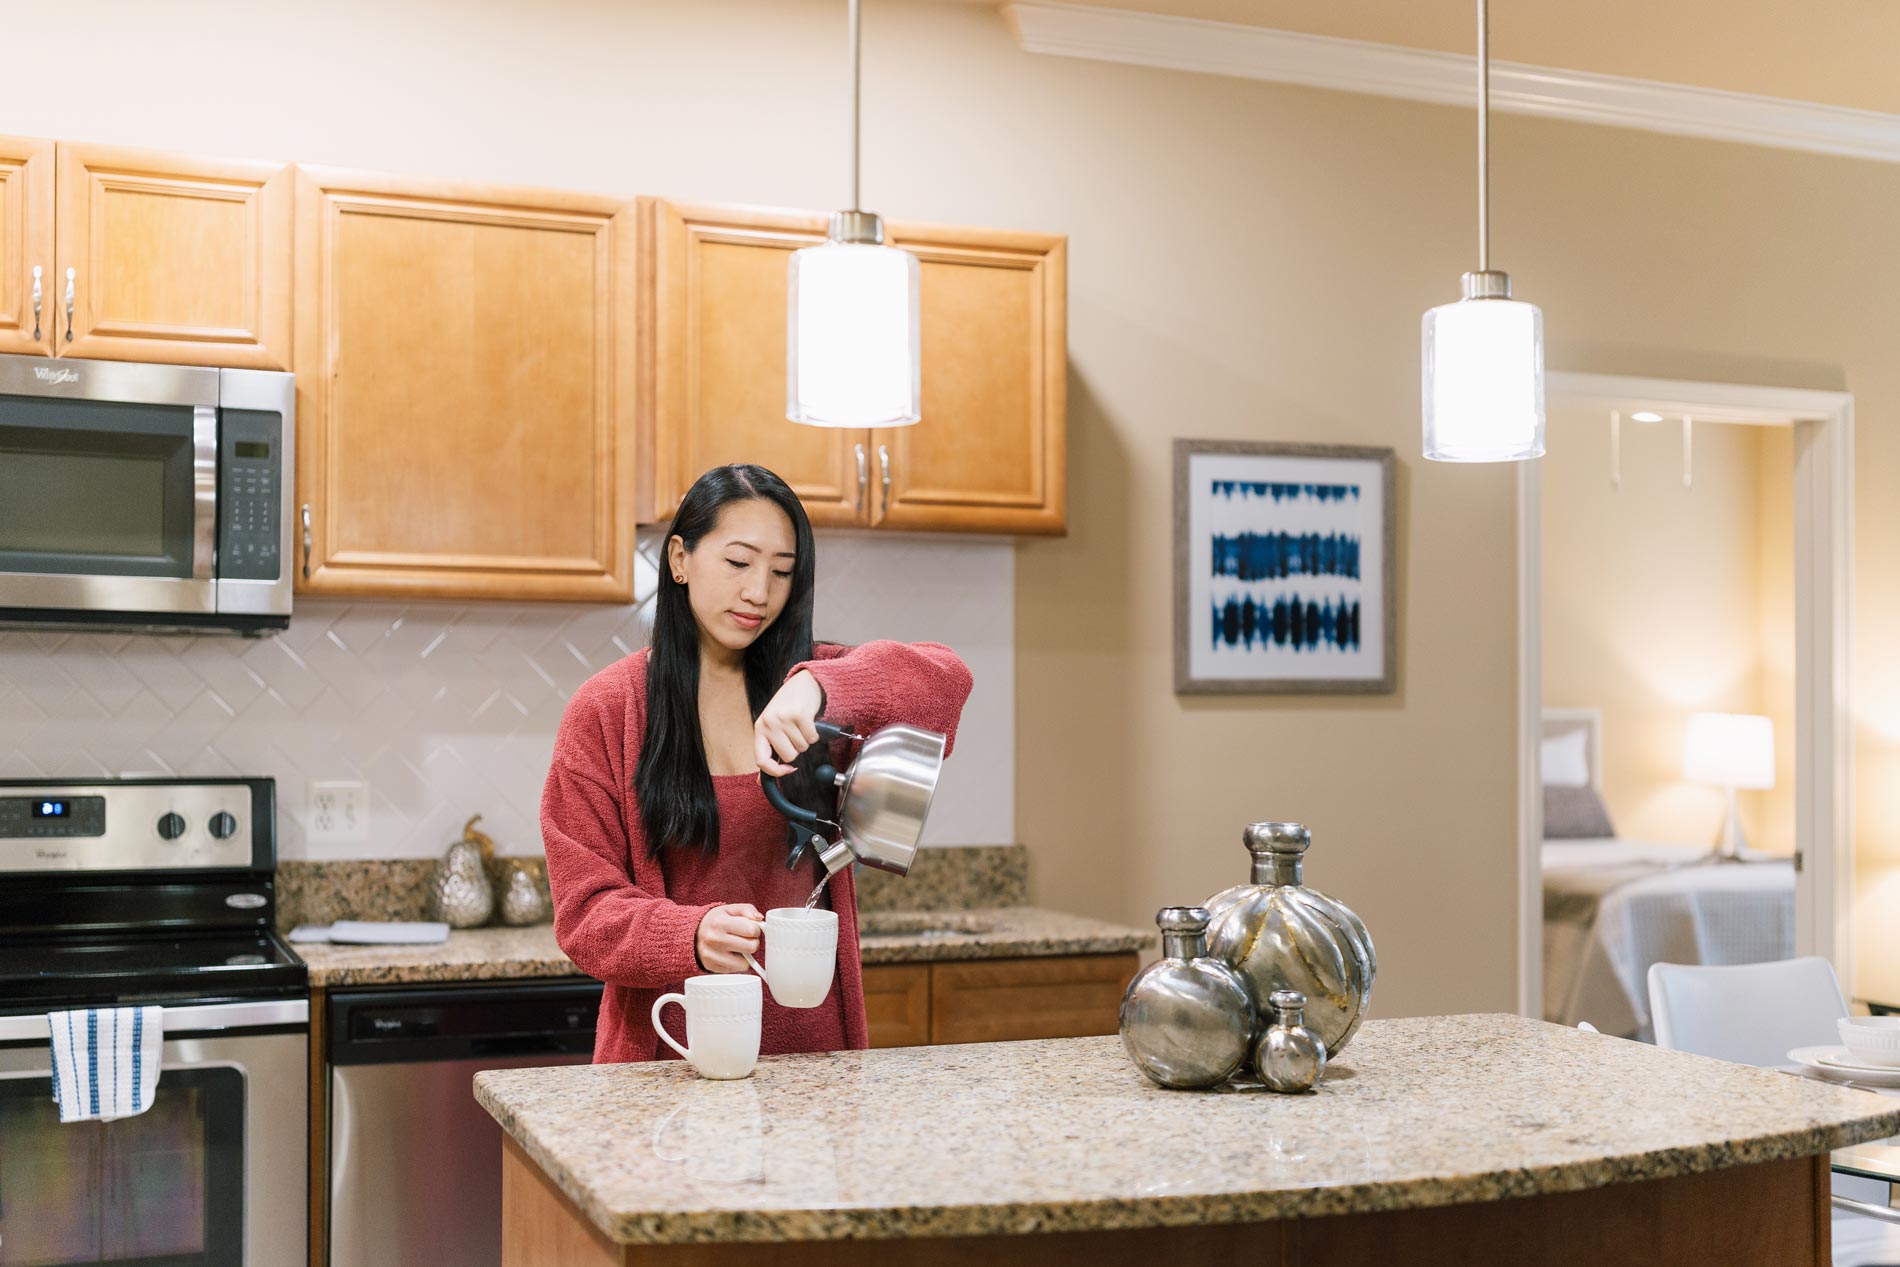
(788, 725)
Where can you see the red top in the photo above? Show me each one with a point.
(632, 920)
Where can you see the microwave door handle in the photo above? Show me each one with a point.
(204, 492)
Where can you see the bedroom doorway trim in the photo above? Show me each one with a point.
(1823, 424)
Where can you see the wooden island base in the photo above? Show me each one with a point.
(1775, 1214)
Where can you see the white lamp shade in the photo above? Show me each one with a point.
(1484, 381)
(852, 344)
(1730, 750)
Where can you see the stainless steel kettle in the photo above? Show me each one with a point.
(883, 798)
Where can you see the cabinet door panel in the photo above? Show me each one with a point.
(1001, 1000)
(988, 455)
(466, 420)
(721, 291)
(897, 1004)
(26, 241)
(176, 259)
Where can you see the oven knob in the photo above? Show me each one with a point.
(222, 825)
(171, 827)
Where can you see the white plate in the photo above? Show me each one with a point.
(1835, 1062)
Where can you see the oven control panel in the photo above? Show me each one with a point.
(132, 825)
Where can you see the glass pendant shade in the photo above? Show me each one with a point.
(852, 345)
(1484, 381)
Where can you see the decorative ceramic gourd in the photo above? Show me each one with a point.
(1281, 935)
(521, 891)
(460, 894)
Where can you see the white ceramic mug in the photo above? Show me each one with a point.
(722, 1024)
(801, 955)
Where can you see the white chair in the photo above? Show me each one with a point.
(1755, 1014)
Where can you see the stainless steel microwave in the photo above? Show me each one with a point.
(155, 496)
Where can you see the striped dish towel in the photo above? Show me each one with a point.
(105, 1061)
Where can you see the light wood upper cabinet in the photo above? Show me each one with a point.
(989, 453)
(466, 382)
(719, 364)
(26, 243)
(175, 259)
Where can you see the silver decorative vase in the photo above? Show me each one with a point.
(1289, 1057)
(460, 894)
(522, 898)
(1186, 1018)
(1280, 935)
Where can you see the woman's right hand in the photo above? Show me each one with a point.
(725, 932)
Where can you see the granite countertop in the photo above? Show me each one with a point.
(1065, 1135)
(495, 954)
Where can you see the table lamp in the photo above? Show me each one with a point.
(1730, 751)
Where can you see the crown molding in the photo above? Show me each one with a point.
(1388, 70)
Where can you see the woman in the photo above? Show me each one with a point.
(663, 854)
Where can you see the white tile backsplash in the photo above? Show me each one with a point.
(448, 710)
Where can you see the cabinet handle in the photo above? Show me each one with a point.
(71, 273)
(864, 477)
(306, 541)
(36, 302)
(884, 465)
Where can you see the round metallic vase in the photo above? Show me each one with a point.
(1186, 1018)
(1289, 1057)
(1280, 935)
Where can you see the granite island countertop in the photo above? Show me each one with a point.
(1065, 1135)
(498, 954)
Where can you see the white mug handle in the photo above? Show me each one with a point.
(754, 965)
(660, 1029)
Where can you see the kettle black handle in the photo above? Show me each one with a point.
(776, 795)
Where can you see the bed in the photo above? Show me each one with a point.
(1614, 906)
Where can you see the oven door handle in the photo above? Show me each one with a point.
(204, 492)
(180, 1020)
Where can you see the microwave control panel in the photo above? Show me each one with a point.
(250, 495)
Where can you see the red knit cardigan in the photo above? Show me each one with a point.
(612, 913)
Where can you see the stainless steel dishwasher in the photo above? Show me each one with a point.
(414, 1162)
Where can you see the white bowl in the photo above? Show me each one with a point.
(1874, 1039)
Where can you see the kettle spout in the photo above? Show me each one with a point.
(836, 855)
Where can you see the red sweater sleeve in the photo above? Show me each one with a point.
(604, 920)
(921, 684)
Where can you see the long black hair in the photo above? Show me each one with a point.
(672, 785)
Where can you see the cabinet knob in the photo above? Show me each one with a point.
(71, 274)
(306, 541)
(36, 301)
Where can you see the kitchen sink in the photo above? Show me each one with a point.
(931, 924)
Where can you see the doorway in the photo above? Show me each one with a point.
(1820, 426)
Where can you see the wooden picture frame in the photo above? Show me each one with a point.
(1257, 523)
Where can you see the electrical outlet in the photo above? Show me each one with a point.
(339, 813)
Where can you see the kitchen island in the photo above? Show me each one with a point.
(1431, 1140)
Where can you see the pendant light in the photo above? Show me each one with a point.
(1484, 355)
(852, 349)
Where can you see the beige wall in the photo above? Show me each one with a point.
(1246, 261)
(1660, 601)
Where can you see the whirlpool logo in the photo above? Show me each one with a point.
(48, 375)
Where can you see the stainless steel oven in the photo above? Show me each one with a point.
(212, 1175)
(153, 891)
(146, 495)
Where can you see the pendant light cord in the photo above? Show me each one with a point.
(854, 103)
(1484, 142)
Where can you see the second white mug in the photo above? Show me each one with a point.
(801, 955)
(722, 1024)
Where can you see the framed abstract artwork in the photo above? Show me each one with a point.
(1283, 568)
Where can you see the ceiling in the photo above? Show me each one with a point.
(1838, 52)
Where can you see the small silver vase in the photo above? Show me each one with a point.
(1186, 1018)
(1289, 1056)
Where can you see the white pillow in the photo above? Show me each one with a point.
(1566, 759)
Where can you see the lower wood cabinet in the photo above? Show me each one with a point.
(995, 1000)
